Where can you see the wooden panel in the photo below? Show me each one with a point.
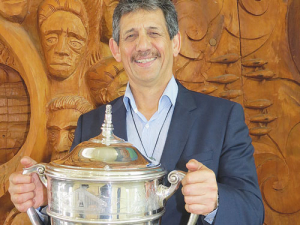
(247, 51)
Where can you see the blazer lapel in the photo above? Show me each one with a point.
(119, 119)
(180, 127)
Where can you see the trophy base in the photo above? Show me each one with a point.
(60, 222)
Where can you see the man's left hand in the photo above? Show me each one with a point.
(200, 189)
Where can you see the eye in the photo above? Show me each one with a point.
(51, 40)
(71, 134)
(53, 135)
(153, 34)
(130, 37)
(76, 44)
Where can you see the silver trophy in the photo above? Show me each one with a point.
(105, 181)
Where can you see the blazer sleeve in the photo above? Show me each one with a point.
(240, 200)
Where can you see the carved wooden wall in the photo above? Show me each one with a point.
(247, 51)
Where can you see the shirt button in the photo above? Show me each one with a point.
(147, 125)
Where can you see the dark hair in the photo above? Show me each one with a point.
(127, 6)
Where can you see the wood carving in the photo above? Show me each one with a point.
(14, 11)
(63, 27)
(107, 80)
(14, 113)
(55, 64)
(62, 121)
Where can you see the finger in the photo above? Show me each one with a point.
(208, 200)
(203, 175)
(194, 165)
(16, 190)
(199, 209)
(27, 162)
(36, 180)
(199, 189)
(22, 198)
(25, 206)
(19, 178)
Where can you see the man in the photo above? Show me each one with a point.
(63, 26)
(187, 131)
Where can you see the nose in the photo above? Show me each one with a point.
(143, 43)
(61, 47)
(64, 143)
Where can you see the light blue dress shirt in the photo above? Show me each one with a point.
(149, 137)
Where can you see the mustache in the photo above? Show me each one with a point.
(142, 54)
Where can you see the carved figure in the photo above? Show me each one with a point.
(14, 11)
(60, 130)
(107, 80)
(63, 26)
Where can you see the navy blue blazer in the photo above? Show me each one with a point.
(211, 130)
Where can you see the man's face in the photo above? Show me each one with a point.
(64, 40)
(61, 126)
(14, 10)
(145, 47)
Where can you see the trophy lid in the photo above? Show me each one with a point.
(105, 157)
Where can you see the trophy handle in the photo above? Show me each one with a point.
(39, 169)
(175, 177)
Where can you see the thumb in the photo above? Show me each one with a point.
(194, 165)
(27, 162)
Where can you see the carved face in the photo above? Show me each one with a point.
(145, 48)
(61, 126)
(14, 10)
(64, 40)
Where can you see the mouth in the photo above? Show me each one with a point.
(144, 61)
(60, 64)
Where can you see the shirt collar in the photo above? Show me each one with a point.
(170, 92)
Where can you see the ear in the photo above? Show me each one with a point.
(176, 44)
(115, 50)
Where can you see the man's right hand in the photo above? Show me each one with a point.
(27, 190)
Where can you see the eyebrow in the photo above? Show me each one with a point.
(148, 28)
(53, 32)
(79, 37)
(153, 28)
(70, 33)
(128, 31)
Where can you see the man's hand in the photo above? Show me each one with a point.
(200, 189)
(27, 190)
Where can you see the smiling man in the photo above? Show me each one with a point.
(181, 129)
(147, 54)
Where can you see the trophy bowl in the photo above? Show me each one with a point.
(105, 180)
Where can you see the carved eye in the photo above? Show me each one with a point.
(75, 44)
(71, 134)
(51, 40)
(53, 135)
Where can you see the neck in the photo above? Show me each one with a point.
(147, 98)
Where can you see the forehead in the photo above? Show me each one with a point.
(62, 20)
(58, 118)
(143, 19)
